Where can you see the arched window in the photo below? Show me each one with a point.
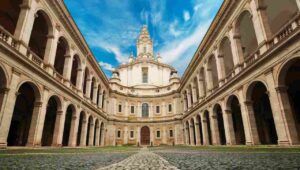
(145, 110)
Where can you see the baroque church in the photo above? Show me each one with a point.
(241, 87)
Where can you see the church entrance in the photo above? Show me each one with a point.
(145, 135)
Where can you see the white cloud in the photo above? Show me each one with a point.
(175, 50)
(186, 15)
(173, 29)
(106, 66)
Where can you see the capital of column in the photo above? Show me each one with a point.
(38, 104)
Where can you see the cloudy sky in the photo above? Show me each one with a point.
(111, 27)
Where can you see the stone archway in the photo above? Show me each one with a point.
(145, 135)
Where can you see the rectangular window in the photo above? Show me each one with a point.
(119, 134)
(145, 49)
(170, 107)
(132, 109)
(171, 133)
(131, 134)
(158, 134)
(145, 75)
(120, 108)
(157, 109)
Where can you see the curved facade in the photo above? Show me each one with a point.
(241, 87)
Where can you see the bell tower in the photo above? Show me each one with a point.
(144, 44)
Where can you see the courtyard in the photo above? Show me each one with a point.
(163, 157)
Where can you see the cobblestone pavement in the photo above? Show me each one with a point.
(144, 160)
(73, 161)
(190, 160)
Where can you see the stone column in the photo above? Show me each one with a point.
(25, 23)
(237, 52)
(197, 132)
(59, 127)
(209, 77)
(164, 135)
(138, 136)
(201, 87)
(79, 79)
(220, 67)
(102, 137)
(287, 112)
(188, 95)
(184, 102)
(74, 129)
(34, 124)
(187, 135)
(279, 117)
(84, 129)
(95, 93)
(261, 25)
(8, 107)
(100, 100)
(97, 141)
(191, 133)
(194, 92)
(214, 127)
(50, 52)
(91, 133)
(126, 135)
(68, 67)
(41, 119)
(205, 130)
(88, 87)
(228, 125)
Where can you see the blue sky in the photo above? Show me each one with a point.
(111, 27)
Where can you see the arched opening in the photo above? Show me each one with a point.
(206, 115)
(193, 131)
(145, 135)
(67, 126)
(95, 131)
(93, 84)
(9, 14)
(90, 124)
(3, 86)
(53, 107)
(187, 128)
(61, 53)
(145, 110)
(21, 119)
(219, 114)
(82, 118)
(238, 126)
(200, 129)
(258, 94)
(75, 69)
(39, 35)
(212, 67)
(226, 53)
(290, 77)
(245, 30)
(86, 76)
(279, 12)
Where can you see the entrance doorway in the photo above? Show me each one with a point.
(145, 135)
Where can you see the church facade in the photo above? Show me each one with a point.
(240, 88)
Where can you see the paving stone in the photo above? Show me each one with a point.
(144, 160)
